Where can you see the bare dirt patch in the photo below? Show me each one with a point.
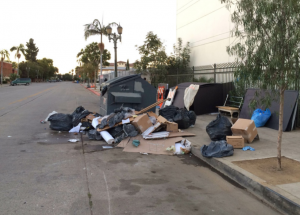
(266, 169)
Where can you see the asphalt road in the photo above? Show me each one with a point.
(41, 173)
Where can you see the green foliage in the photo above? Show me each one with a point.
(96, 28)
(14, 65)
(153, 59)
(18, 49)
(267, 48)
(203, 79)
(180, 58)
(31, 51)
(13, 76)
(67, 77)
(4, 54)
(91, 54)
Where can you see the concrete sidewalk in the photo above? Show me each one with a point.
(284, 197)
(93, 90)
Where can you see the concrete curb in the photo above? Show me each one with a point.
(265, 194)
(96, 93)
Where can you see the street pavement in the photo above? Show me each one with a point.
(41, 173)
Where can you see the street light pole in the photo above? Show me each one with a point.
(115, 38)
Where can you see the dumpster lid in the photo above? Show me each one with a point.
(119, 79)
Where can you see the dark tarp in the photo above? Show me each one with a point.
(290, 100)
(207, 98)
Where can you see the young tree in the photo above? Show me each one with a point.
(4, 54)
(268, 46)
(19, 49)
(91, 55)
(31, 51)
(153, 58)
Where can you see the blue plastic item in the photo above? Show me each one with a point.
(248, 148)
(261, 117)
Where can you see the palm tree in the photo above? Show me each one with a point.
(4, 54)
(96, 28)
(18, 49)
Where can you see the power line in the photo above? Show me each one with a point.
(200, 17)
(211, 42)
(185, 5)
(188, 7)
(210, 37)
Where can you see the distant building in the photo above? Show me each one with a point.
(7, 70)
(121, 67)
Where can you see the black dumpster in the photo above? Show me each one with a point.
(130, 91)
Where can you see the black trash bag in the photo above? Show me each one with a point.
(217, 149)
(182, 119)
(168, 112)
(120, 138)
(61, 122)
(93, 134)
(118, 117)
(192, 116)
(130, 130)
(116, 131)
(103, 123)
(79, 114)
(111, 120)
(219, 128)
(87, 125)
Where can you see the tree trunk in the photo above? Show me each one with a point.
(95, 78)
(1, 70)
(280, 129)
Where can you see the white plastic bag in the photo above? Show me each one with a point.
(189, 95)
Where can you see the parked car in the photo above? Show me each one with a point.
(24, 81)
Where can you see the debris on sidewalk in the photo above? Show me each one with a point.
(248, 148)
(217, 149)
(147, 132)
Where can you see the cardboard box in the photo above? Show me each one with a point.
(172, 127)
(152, 114)
(245, 128)
(161, 119)
(237, 142)
(142, 123)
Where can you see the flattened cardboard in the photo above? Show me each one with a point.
(152, 146)
(172, 127)
(142, 123)
(237, 142)
(245, 128)
(123, 143)
(181, 134)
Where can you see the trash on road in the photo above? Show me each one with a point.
(73, 140)
(75, 129)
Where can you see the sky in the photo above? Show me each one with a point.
(57, 26)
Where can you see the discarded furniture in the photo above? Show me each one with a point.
(232, 105)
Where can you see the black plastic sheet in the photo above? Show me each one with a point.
(61, 122)
(217, 149)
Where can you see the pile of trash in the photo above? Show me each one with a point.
(227, 137)
(145, 131)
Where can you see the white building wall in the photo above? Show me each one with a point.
(206, 24)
